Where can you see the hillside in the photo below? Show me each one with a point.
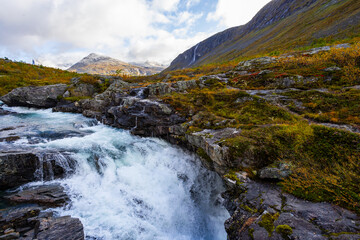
(103, 65)
(281, 25)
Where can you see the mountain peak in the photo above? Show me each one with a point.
(99, 64)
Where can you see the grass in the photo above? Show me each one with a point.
(19, 74)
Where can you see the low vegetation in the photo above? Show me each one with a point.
(19, 74)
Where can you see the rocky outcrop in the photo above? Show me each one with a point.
(18, 168)
(144, 117)
(49, 195)
(33, 223)
(262, 211)
(39, 97)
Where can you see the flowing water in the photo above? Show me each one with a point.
(124, 187)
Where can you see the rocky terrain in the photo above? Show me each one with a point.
(279, 130)
(103, 65)
(276, 27)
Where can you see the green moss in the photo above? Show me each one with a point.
(75, 99)
(232, 175)
(267, 222)
(201, 153)
(284, 230)
(251, 233)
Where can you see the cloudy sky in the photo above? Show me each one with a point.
(60, 32)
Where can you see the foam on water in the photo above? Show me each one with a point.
(127, 187)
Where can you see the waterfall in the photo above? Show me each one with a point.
(124, 187)
(194, 56)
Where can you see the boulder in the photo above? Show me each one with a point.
(38, 97)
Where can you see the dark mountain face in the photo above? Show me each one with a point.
(279, 23)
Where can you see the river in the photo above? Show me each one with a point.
(123, 187)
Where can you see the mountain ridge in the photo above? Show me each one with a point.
(280, 24)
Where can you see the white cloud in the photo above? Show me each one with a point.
(58, 31)
(165, 5)
(232, 13)
(191, 3)
(61, 31)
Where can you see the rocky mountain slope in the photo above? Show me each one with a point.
(281, 24)
(103, 65)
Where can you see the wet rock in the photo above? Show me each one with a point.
(60, 228)
(257, 210)
(283, 170)
(68, 107)
(33, 223)
(50, 195)
(4, 112)
(18, 168)
(39, 97)
(9, 139)
(144, 117)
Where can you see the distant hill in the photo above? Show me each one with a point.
(281, 24)
(98, 64)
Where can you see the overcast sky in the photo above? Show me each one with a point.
(58, 32)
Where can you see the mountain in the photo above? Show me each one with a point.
(98, 64)
(149, 64)
(281, 24)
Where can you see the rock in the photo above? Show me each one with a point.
(209, 143)
(13, 235)
(50, 195)
(317, 50)
(80, 90)
(332, 69)
(258, 209)
(4, 112)
(256, 62)
(39, 97)
(68, 107)
(342, 46)
(33, 223)
(144, 117)
(157, 89)
(18, 168)
(60, 228)
(283, 170)
(9, 139)
(182, 86)
(211, 79)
